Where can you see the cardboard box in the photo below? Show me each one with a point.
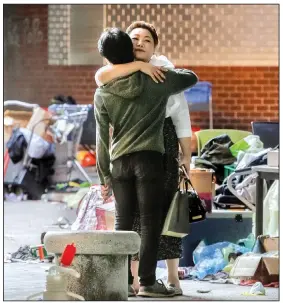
(256, 267)
(13, 119)
(262, 267)
(202, 180)
(270, 243)
(38, 115)
(273, 158)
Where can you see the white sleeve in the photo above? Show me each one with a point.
(180, 115)
(177, 107)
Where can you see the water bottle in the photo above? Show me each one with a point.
(56, 285)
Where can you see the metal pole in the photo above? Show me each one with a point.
(259, 206)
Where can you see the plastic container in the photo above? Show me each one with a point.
(229, 169)
(39, 251)
(56, 285)
(199, 93)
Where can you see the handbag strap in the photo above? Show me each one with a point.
(187, 180)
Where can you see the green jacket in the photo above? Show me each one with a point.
(135, 107)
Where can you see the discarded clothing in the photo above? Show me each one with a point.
(217, 151)
(243, 191)
(23, 254)
(216, 154)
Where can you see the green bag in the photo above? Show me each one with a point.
(251, 143)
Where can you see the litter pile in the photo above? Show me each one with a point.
(23, 254)
(245, 263)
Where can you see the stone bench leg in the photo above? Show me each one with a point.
(101, 259)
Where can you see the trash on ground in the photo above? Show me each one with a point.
(184, 272)
(262, 267)
(28, 254)
(209, 259)
(203, 291)
(256, 290)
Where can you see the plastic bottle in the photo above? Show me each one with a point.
(56, 285)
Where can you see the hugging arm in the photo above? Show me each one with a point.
(110, 72)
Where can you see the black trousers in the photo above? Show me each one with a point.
(138, 179)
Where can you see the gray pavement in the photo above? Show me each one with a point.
(23, 224)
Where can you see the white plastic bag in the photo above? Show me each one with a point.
(38, 146)
(271, 211)
(249, 144)
(86, 219)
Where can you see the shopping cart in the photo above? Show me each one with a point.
(22, 174)
(71, 118)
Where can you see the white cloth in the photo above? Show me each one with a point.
(38, 146)
(177, 106)
(271, 211)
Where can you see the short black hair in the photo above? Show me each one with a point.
(116, 46)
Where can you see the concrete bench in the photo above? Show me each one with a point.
(101, 259)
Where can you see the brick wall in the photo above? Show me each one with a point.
(240, 93)
(27, 75)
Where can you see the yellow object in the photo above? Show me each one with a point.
(81, 154)
(203, 136)
(74, 184)
(228, 268)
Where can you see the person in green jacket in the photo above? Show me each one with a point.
(135, 107)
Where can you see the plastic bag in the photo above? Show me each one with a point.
(86, 219)
(209, 259)
(248, 242)
(271, 211)
(38, 146)
(209, 266)
(249, 144)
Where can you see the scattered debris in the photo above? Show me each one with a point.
(256, 290)
(63, 223)
(23, 254)
(203, 291)
(26, 254)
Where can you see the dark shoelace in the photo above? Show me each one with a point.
(161, 283)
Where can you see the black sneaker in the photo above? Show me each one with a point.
(157, 290)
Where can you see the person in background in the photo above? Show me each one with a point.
(177, 129)
(135, 107)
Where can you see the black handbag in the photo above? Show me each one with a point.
(197, 206)
(186, 207)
